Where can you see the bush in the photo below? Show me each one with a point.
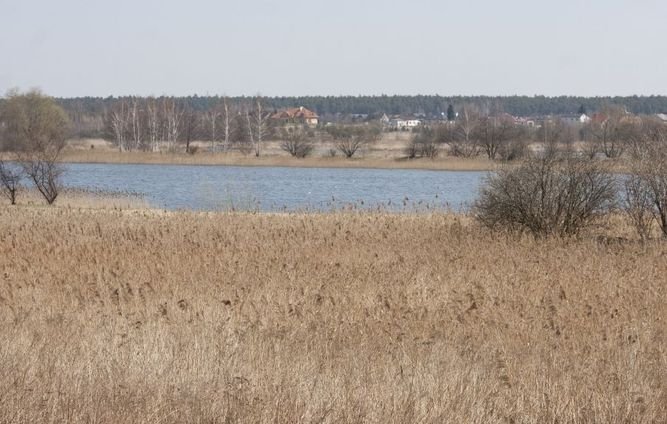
(547, 196)
(10, 180)
(298, 143)
(350, 139)
(646, 191)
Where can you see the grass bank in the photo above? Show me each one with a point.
(140, 316)
(236, 159)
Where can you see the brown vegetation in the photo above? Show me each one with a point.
(113, 316)
(375, 159)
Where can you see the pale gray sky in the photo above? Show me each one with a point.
(317, 47)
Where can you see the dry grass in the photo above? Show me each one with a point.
(83, 199)
(277, 159)
(146, 317)
(386, 154)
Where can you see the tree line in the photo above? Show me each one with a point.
(87, 114)
(613, 134)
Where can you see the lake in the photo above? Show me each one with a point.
(273, 189)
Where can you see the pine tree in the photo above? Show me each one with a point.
(451, 115)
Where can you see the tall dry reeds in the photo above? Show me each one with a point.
(113, 316)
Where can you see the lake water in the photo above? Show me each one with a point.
(280, 189)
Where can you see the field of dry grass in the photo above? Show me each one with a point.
(82, 199)
(387, 154)
(146, 317)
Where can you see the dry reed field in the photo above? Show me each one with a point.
(282, 160)
(143, 317)
(387, 154)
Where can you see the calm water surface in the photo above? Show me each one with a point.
(278, 189)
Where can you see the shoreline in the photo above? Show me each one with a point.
(272, 160)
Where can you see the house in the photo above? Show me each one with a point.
(296, 115)
(662, 116)
(525, 122)
(575, 119)
(404, 123)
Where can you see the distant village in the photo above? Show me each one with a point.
(304, 116)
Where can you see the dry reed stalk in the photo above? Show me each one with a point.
(139, 316)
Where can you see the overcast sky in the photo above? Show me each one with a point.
(317, 47)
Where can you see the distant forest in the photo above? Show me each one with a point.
(406, 105)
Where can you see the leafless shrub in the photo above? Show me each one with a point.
(644, 134)
(423, 144)
(610, 133)
(10, 180)
(350, 139)
(547, 196)
(639, 206)
(646, 191)
(513, 149)
(500, 138)
(296, 142)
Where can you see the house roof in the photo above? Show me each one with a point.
(295, 113)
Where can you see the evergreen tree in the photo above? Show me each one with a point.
(451, 115)
(582, 110)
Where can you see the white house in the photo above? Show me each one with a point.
(662, 116)
(401, 124)
(576, 119)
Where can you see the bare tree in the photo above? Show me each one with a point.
(461, 135)
(172, 115)
(555, 136)
(211, 123)
(256, 123)
(226, 122)
(118, 123)
(499, 137)
(153, 124)
(10, 178)
(190, 127)
(240, 132)
(609, 134)
(251, 130)
(39, 126)
(136, 123)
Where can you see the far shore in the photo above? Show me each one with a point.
(386, 154)
(273, 160)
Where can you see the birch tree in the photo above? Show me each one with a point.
(118, 123)
(172, 117)
(261, 126)
(153, 123)
(212, 119)
(136, 123)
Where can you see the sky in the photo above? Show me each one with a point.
(74, 48)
